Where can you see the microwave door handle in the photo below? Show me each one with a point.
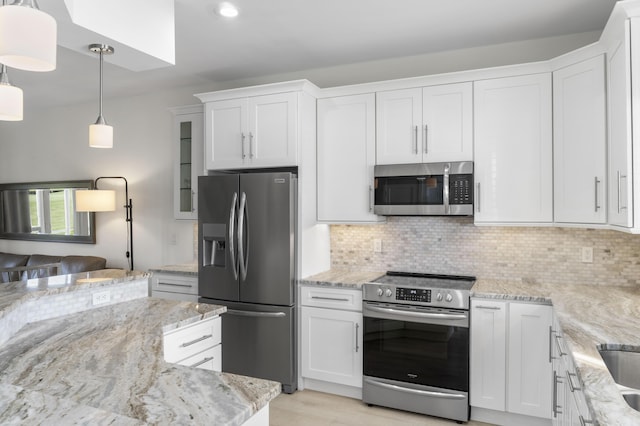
(445, 189)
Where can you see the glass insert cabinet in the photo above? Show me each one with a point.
(188, 150)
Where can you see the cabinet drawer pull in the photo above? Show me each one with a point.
(175, 284)
(584, 422)
(571, 387)
(199, 339)
(335, 299)
(556, 406)
(560, 351)
(199, 363)
(492, 308)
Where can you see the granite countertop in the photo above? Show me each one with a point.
(589, 316)
(181, 269)
(106, 365)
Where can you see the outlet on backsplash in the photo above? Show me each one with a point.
(587, 254)
(377, 245)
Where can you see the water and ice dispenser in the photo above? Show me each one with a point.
(214, 243)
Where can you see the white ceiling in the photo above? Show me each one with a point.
(278, 36)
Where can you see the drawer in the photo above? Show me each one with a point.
(333, 298)
(174, 283)
(192, 339)
(210, 359)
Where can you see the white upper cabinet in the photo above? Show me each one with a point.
(257, 131)
(620, 127)
(580, 143)
(513, 149)
(346, 156)
(429, 124)
(188, 148)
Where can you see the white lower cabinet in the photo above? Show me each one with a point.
(196, 345)
(569, 406)
(510, 365)
(332, 340)
(174, 286)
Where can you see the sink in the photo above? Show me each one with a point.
(633, 399)
(624, 366)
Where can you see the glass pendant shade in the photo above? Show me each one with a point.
(10, 99)
(27, 37)
(95, 200)
(100, 136)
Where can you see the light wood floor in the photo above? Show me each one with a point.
(311, 408)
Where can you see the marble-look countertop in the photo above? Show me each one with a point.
(106, 365)
(13, 293)
(340, 278)
(111, 359)
(190, 269)
(589, 316)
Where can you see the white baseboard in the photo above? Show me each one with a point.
(336, 389)
(506, 419)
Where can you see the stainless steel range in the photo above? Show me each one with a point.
(416, 343)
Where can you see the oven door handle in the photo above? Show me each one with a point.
(425, 315)
(416, 391)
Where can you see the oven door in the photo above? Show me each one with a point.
(417, 345)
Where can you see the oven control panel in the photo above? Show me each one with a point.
(413, 294)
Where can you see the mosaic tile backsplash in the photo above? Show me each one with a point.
(453, 245)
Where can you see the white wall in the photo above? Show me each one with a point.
(52, 144)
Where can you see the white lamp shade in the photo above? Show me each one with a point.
(100, 136)
(10, 103)
(27, 38)
(95, 200)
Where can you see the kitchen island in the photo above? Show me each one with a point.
(104, 364)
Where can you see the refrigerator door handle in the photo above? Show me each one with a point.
(243, 252)
(232, 222)
(256, 314)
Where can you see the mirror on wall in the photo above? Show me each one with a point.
(45, 211)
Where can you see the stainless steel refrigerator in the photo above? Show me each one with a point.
(247, 261)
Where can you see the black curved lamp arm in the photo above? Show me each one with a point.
(129, 213)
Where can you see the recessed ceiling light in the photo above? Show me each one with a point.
(227, 10)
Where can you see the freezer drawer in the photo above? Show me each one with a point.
(259, 341)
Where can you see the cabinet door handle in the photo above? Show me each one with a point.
(415, 140)
(242, 137)
(620, 177)
(250, 145)
(426, 139)
(478, 196)
(493, 308)
(199, 339)
(562, 353)
(556, 406)
(199, 363)
(357, 329)
(597, 181)
(193, 201)
(550, 343)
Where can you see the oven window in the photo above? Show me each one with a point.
(411, 190)
(426, 354)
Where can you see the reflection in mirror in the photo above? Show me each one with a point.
(45, 211)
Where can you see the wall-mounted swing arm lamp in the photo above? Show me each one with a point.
(100, 200)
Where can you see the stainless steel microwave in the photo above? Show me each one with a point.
(424, 189)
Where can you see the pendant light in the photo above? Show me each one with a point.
(10, 98)
(27, 37)
(100, 133)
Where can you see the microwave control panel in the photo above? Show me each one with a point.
(461, 189)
